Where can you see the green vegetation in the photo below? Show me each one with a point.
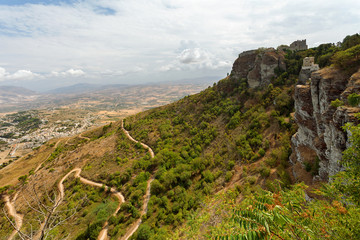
(56, 153)
(350, 41)
(348, 60)
(337, 103)
(354, 99)
(26, 120)
(23, 179)
(221, 168)
(199, 141)
(285, 214)
(5, 164)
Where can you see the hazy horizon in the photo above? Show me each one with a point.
(54, 43)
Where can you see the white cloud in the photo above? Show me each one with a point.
(97, 38)
(18, 75)
(25, 75)
(74, 72)
(193, 56)
(196, 58)
(3, 74)
(68, 73)
(22, 75)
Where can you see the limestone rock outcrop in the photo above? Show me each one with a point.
(258, 66)
(320, 134)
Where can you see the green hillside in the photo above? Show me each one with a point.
(221, 168)
(226, 138)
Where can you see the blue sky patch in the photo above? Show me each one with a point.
(104, 10)
(45, 2)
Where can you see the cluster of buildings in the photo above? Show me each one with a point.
(18, 139)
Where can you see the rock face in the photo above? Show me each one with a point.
(320, 134)
(258, 66)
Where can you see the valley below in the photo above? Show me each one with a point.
(250, 157)
(37, 118)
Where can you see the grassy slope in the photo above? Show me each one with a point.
(227, 137)
(105, 155)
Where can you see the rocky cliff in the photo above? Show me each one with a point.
(320, 137)
(258, 66)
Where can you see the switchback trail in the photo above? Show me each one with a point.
(147, 196)
(10, 206)
(135, 141)
(118, 195)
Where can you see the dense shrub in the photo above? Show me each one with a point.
(348, 60)
(354, 99)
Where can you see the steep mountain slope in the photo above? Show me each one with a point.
(102, 154)
(200, 144)
(236, 135)
(177, 166)
(227, 136)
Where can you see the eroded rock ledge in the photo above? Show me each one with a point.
(258, 66)
(320, 136)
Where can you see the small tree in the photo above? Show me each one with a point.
(354, 99)
(46, 213)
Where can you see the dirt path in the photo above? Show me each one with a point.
(10, 206)
(81, 136)
(118, 195)
(135, 141)
(55, 146)
(147, 196)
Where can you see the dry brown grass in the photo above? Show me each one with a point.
(10, 174)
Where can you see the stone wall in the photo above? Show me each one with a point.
(307, 68)
(298, 45)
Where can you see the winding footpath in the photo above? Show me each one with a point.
(10, 204)
(147, 196)
(135, 141)
(118, 195)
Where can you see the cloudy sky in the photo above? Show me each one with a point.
(50, 43)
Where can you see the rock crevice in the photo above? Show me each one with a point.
(320, 134)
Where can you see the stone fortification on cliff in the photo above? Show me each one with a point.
(298, 45)
(307, 68)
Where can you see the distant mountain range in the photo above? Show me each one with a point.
(11, 91)
(83, 88)
(14, 98)
(79, 88)
(15, 95)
